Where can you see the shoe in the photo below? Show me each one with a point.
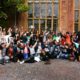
(18, 61)
(21, 62)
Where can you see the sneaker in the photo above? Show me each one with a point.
(18, 61)
(21, 62)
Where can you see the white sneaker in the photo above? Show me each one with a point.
(21, 62)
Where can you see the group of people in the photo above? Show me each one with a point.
(30, 47)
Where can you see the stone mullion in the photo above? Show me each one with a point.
(46, 15)
(52, 26)
(39, 18)
(33, 14)
(58, 15)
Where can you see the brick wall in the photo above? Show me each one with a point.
(66, 16)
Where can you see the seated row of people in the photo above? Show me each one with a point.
(30, 47)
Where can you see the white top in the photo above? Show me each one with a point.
(5, 38)
(39, 49)
(32, 50)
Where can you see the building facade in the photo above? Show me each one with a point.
(55, 15)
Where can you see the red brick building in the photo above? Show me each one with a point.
(56, 15)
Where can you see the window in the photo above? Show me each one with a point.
(43, 14)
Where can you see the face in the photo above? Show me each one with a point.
(31, 46)
(24, 34)
(66, 46)
(3, 45)
(21, 45)
(16, 29)
(56, 42)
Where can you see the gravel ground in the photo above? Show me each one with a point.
(57, 70)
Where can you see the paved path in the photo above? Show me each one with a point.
(57, 70)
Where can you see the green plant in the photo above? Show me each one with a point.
(3, 15)
(11, 7)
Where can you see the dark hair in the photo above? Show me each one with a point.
(0, 47)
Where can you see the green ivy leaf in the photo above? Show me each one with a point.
(3, 15)
(22, 8)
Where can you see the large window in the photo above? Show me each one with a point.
(77, 15)
(43, 14)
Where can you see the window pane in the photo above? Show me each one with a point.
(56, 0)
(77, 4)
(43, 10)
(56, 10)
(30, 1)
(76, 16)
(30, 12)
(45, 0)
(49, 10)
(36, 10)
(36, 24)
(36, 0)
(42, 24)
(55, 24)
(76, 27)
(30, 22)
(49, 24)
